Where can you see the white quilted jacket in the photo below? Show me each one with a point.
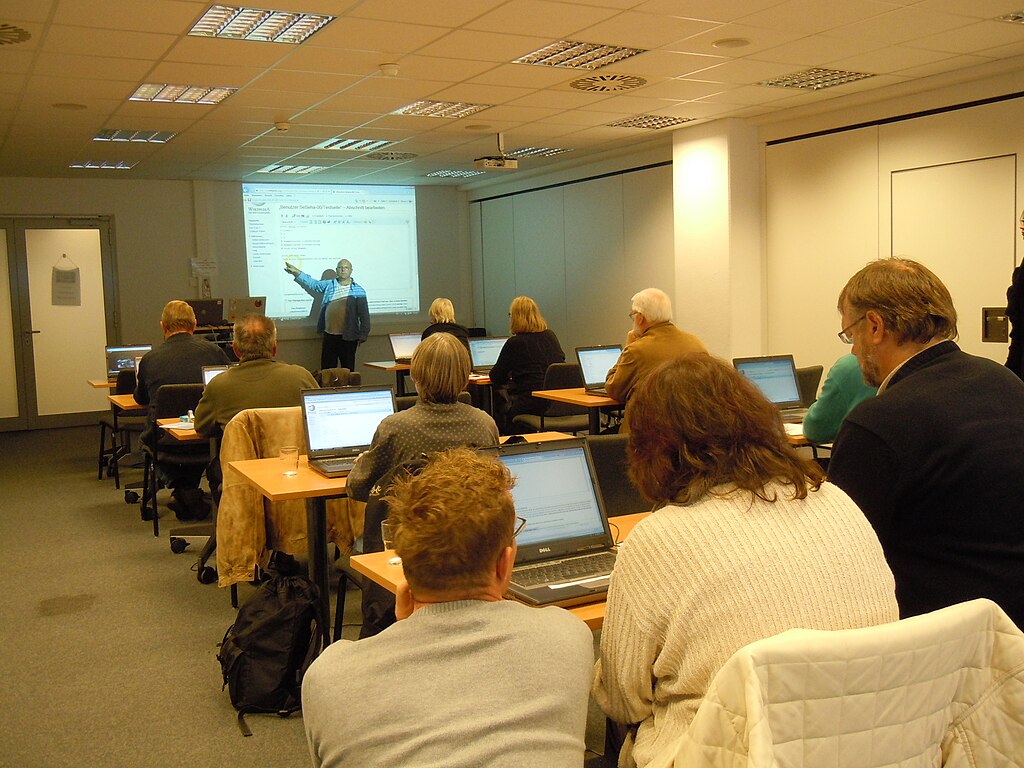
(943, 689)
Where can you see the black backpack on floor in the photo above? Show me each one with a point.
(270, 646)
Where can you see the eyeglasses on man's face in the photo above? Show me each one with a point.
(844, 335)
(520, 524)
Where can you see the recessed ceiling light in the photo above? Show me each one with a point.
(70, 106)
(1017, 17)
(391, 156)
(815, 79)
(182, 94)
(150, 137)
(281, 168)
(608, 82)
(653, 122)
(536, 152)
(12, 35)
(107, 165)
(354, 145)
(265, 26)
(452, 109)
(571, 53)
(454, 174)
(731, 42)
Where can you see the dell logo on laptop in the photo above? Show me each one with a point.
(544, 549)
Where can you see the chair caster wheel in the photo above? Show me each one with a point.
(207, 575)
(178, 545)
(131, 497)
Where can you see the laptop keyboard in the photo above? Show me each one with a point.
(336, 465)
(560, 571)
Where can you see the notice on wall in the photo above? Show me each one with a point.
(66, 287)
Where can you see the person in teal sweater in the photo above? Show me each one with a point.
(843, 389)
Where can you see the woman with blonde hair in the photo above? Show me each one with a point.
(747, 541)
(525, 358)
(440, 370)
(442, 320)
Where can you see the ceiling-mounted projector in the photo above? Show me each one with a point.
(498, 162)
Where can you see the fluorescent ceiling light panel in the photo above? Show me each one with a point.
(536, 152)
(181, 94)
(355, 145)
(239, 23)
(1017, 17)
(453, 174)
(450, 109)
(653, 122)
(119, 165)
(300, 169)
(815, 79)
(149, 137)
(571, 53)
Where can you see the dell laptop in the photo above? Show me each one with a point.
(340, 424)
(124, 358)
(566, 551)
(403, 345)
(211, 371)
(246, 305)
(483, 352)
(775, 376)
(595, 362)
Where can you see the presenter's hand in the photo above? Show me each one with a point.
(291, 269)
(403, 600)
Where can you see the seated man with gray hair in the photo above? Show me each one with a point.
(464, 678)
(651, 341)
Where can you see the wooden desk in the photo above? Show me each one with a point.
(102, 383)
(400, 370)
(579, 396)
(375, 567)
(125, 403)
(315, 489)
(183, 435)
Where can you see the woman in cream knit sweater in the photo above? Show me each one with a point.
(747, 542)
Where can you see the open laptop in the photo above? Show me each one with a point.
(775, 376)
(403, 345)
(595, 362)
(340, 424)
(211, 371)
(241, 306)
(124, 358)
(483, 352)
(565, 554)
(208, 311)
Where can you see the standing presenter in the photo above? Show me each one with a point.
(344, 315)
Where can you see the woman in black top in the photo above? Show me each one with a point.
(442, 320)
(524, 360)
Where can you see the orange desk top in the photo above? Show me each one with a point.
(125, 402)
(576, 396)
(267, 476)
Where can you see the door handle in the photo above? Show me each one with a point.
(31, 332)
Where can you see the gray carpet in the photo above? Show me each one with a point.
(109, 641)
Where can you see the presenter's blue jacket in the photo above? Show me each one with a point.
(357, 315)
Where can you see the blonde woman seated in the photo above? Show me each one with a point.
(747, 541)
(440, 369)
(524, 359)
(442, 320)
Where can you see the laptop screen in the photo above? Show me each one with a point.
(595, 362)
(124, 358)
(774, 375)
(555, 492)
(345, 417)
(208, 311)
(484, 352)
(404, 344)
(210, 371)
(246, 305)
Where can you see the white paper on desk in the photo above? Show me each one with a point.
(179, 425)
(792, 428)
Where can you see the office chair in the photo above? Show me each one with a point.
(337, 377)
(945, 688)
(807, 380)
(609, 454)
(559, 417)
(171, 401)
(118, 428)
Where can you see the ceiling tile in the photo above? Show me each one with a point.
(138, 15)
(814, 16)
(59, 64)
(565, 99)
(760, 39)
(27, 10)
(710, 10)
(309, 58)
(484, 46)
(684, 89)
(743, 71)
(527, 75)
(944, 65)
(899, 26)
(893, 58)
(450, 13)
(371, 35)
(541, 17)
(815, 51)
(440, 68)
(180, 73)
(480, 94)
(403, 90)
(321, 82)
(972, 38)
(666, 64)
(241, 53)
(16, 62)
(123, 45)
(643, 30)
(980, 9)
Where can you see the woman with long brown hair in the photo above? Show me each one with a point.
(747, 541)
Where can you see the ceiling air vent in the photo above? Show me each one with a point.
(815, 79)
(604, 83)
(390, 156)
(12, 35)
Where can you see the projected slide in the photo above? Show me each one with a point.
(313, 226)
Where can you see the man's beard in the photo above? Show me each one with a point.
(869, 369)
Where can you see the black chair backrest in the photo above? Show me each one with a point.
(609, 454)
(807, 380)
(477, 332)
(563, 376)
(125, 383)
(173, 400)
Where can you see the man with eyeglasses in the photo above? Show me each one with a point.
(464, 678)
(936, 460)
(652, 340)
